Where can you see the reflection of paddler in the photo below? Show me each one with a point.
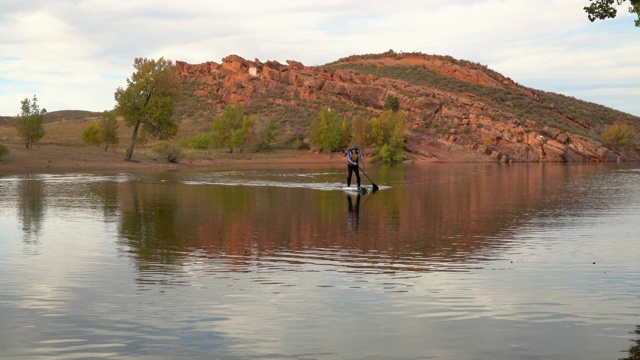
(353, 221)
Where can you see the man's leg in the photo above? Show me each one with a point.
(349, 171)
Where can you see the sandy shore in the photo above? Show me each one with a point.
(56, 159)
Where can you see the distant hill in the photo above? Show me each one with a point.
(454, 106)
(56, 116)
(69, 115)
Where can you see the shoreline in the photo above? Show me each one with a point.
(60, 159)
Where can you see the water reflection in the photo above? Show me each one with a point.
(31, 208)
(634, 351)
(175, 264)
(149, 223)
(354, 212)
(106, 195)
(440, 214)
(430, 218)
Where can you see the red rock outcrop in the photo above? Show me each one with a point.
(474, 130)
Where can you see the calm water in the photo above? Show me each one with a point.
(464, 261)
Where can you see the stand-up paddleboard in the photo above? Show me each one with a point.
(357, 190)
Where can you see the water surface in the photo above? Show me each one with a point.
(446, 261)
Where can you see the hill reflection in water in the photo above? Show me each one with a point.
(425, 218)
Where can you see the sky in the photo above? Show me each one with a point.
(74, 54)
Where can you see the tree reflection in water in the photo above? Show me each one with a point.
(634, 351)
(31, 208)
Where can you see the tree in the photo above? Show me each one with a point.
(148, 100)
(30, 122)
(359, 130)
(228, 127)
(224, 123)
(384, 134)
(104, 132)
(328, 132)
(619, 135)
(605, 9)
(91, 134)
(263, 133)
(109, 129)
(244, 134)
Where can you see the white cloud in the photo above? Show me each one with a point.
(74, 54)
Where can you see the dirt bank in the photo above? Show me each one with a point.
(58, 159)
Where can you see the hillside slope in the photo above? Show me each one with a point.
(459, 111)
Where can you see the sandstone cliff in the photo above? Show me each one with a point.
(475, 115)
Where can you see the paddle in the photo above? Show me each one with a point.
(375, 187)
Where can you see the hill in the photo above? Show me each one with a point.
(459, 111)
(70, 115)
(56, 116)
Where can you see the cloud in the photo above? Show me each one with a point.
(74, 54)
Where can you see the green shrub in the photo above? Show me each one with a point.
(297, 144)
(391, 103)
(91, 134)
(167, 151)
(390, 154)
(197, 141)
(3, 151)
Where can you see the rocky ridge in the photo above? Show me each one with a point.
(445, 125)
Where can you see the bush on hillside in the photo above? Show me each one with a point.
(618, 135)
(3, 151)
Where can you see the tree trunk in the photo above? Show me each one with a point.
(133, 142)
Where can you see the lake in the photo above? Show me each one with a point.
(445, 261)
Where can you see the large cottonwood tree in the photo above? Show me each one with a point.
(147, 102)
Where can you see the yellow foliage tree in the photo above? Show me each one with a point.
(383, 134)
(619, 135)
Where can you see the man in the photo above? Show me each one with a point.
(353, 161)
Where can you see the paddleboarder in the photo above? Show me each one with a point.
(354, 161)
